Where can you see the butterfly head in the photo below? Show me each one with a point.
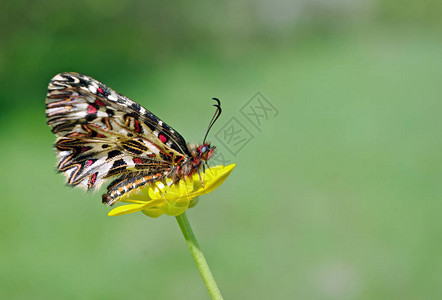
(201, 153)
(204, 152)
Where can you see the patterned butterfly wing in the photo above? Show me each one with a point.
(102, 134)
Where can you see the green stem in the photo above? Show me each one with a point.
(198, 256)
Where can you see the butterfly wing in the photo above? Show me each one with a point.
(103, 134)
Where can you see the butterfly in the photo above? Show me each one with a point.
(103, 135)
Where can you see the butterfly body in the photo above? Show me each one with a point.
(102, 134)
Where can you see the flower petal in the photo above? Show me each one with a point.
(165, 197)
(218, 177)
(126, 209)
(131, 208)
(175, 208)
(152, 212)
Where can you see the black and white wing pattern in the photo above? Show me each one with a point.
(102, 134)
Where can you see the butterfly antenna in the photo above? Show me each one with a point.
(215, 117)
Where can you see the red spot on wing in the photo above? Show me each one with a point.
(162, 138)
(89, 162)
(152, 155)
(99, 135)
(94, 178)
(137, 126)
(140, 160)
(100, 90)
(99, 102)
(85, 148)
(91, 109)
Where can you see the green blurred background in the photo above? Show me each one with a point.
(337, 197)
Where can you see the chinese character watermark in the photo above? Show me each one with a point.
(234, 136)
(258, 109)
(219, 159)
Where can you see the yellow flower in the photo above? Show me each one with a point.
(164, 197)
